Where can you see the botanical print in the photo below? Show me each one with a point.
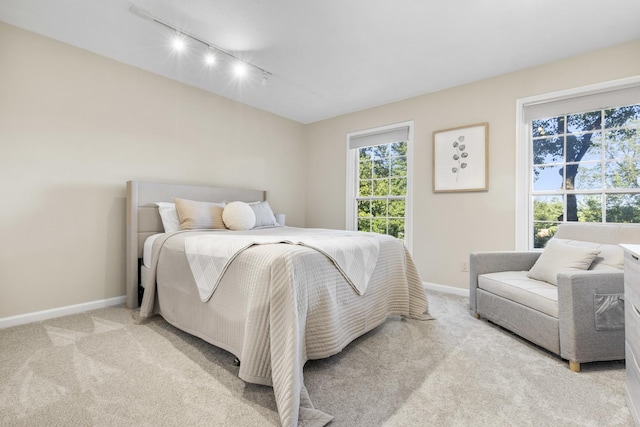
(459, 156)
(452, 150)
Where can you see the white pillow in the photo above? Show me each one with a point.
(559, 257)
(169, 216)
(264, 214)
(238, 216)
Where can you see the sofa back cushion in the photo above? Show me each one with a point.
(611, 257)
(611, 234)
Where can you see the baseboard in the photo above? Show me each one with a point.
(37, 316)
(446, 289)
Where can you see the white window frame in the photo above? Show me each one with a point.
(524, 181)
(352, 179)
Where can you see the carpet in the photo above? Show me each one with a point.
(108, 367)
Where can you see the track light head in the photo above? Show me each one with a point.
(178, 42)
(240, 69)
(210, 57)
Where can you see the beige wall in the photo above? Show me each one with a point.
(448, 226)
(75, 126)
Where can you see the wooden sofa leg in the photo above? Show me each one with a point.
(574, 366)
(476, 315)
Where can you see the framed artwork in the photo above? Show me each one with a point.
(461, 159)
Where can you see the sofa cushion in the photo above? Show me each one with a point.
(558, 257)
(517, 287)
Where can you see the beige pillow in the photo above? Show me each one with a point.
(559, 257)
(199, 215)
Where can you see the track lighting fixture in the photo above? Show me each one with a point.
(240, 67)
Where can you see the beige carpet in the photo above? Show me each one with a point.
(106, 368)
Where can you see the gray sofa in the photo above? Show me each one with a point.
(582, 318)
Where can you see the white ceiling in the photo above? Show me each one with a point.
(331, 57)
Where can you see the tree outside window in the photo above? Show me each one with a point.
(585, 168)
(382, 188)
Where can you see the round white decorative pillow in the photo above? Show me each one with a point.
(238, 216)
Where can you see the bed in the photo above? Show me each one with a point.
(273, 305)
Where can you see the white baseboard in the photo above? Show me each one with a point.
(446, 289)
(37, 316)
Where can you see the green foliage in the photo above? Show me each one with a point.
(573, 145)
(590, 209)
(364, 224)
(365, 188)
(382, 179)
(396, 208)
(379, 208)
(381, 168)
(542, 232)
(396, 228)
(364, 208)
(546, 213)
(398, 186)
(381, 187)
(547, 208)
(623, 208)
(366, 169)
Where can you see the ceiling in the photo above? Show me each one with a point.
(331, 57)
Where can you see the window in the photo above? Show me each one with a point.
(379, 168)
(582, 161)
(585, 167)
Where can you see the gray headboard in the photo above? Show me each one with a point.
(143, 218)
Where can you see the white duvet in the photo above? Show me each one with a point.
(298, 305)
(354, 254)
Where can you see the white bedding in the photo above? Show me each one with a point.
(147, 250)
(354, 254)
(277, 306)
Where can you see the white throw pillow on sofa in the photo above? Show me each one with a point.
(559, 256)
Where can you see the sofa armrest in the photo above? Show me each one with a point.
(493, 262)
(580, 339)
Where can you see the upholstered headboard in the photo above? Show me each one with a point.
(143, 218)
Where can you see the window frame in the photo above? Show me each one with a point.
(353, 174)
(524, 180)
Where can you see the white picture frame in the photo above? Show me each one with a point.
(461, 159)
